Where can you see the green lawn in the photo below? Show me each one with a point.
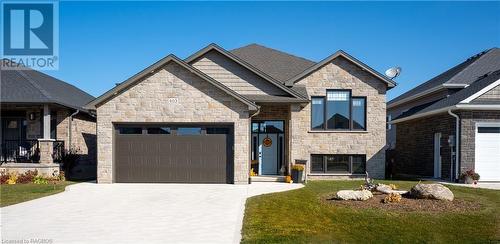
(12, 194)
(300, 216)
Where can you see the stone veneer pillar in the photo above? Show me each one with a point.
(46, 149)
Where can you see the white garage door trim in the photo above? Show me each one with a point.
(487, 153)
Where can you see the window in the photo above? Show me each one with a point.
(338, 163)
(358, 164)
(268, 126)
(338, 111)
(318, 112)
(358, 113)
(188, 131)
(158, 130)
(488, 130)
(130, 130)
(389, 119)
(217, 130)
(53, 125)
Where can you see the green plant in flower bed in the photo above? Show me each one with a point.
(40, 180)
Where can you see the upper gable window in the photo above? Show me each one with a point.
(339, 110)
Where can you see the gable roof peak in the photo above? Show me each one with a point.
(390, 83)
(153, 68)
(244, 64)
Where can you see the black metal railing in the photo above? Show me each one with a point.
(58, 151)
(20, 151)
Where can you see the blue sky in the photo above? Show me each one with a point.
(102, 43)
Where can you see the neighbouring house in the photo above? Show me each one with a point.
(217, 114)
(41, 119)
(450, 123)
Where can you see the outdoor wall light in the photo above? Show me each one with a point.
(32, 116)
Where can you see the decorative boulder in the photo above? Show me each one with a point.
(362, 195)
(388, 190)
(432, 191)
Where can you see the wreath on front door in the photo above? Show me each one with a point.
(267, 142)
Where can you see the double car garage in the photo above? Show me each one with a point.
(173, 153)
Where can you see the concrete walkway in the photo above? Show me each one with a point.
(135, 213)
(484, 185)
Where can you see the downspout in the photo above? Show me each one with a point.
(69, 127)
(457, 149)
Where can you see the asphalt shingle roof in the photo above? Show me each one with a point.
(464, 73)
(31, 86)
(279, 65)
(455, 98)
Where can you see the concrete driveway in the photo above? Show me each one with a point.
(135, 213)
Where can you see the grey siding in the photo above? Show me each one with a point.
(492, 95)
(234, 75)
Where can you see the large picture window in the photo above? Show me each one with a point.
(338, 163)
(339, 110)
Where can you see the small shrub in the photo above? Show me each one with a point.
(288, 179)
(393, 186)
(61, 176)
(12, 178)
(3, 178)
(298, 167)
(392, 198)
(40, 180)
(27, 177)
(469, 173)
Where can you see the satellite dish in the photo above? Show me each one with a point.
(393, 72)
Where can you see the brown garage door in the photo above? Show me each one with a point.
(173, 154)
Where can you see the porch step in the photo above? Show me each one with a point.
(271, 178)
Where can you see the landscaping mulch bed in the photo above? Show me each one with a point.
(407, 204)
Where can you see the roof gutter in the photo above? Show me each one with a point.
(445, 109)
(438, 111)
(425, 93)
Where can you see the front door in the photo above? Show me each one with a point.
(268, 154)
(267, 147)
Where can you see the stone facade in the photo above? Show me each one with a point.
(233, 75)
(197, 101)
(342, 74)
(492, 95)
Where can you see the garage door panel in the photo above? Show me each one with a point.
(168, 158)
(487, 153)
